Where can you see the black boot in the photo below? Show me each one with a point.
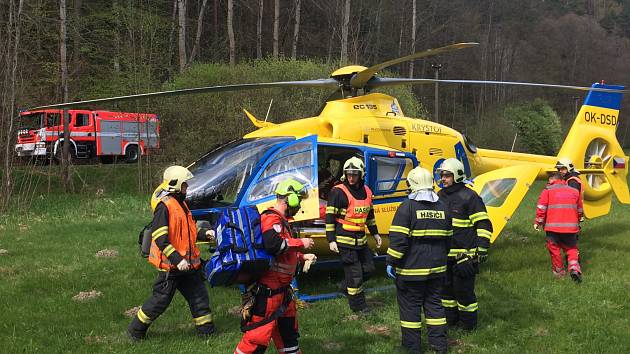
(137, 330)
(576, 276)
(206, 330)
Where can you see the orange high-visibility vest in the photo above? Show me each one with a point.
(182, 235)
(357, 211)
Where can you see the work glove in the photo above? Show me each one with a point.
(183, 265)
(482, 254)
(309, 259)
(391, 272)
(378, 240)
(536, 227)
(307, 243)
(582, 219)
(333, 247)
(210, 234)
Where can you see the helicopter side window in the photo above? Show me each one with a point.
(387, 175)
(494, 193)
(330, 160)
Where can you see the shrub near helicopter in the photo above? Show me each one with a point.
(356, 122)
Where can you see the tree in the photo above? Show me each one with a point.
(276, 27)
(181, 38)
(413, 35)
(259, 21)
(195, 49)
(344, 32)
(538, 126)
(230, 28)
(63, 63)
(296, 29)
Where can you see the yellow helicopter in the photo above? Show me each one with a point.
(357, 122)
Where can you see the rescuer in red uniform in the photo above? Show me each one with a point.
(559, 210)
(273, 315)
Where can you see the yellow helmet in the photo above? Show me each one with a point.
(419, 179)
(566, 163)
(174, 176)
(354, 164)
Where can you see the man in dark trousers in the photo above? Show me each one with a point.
(348, 212)
(472, 231)
(176, 257)
(419, 241)
(559, 211)
(274, 313)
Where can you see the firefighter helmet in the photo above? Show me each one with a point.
(566, 163)
(174, 176)
(454, 167)
(419, 179)
(293, 190)
(354, 164)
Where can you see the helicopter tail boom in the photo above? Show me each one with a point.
(593, 147)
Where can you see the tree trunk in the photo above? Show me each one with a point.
(296, 29)
(76, 36)
(259, 21)
(63, 63)
(195, 49)
(413, 35)
(230, 28)
(276, 27)
(171, 36)
(181, 24)
(12, 46)
(344, 32)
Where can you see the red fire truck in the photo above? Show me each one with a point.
(101, 134)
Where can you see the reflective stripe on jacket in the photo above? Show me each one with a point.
(559, 208)
(182, 236)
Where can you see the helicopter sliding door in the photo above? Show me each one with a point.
(387, 175)
(296, 159)
(502, 191)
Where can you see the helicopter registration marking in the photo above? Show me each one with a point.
(605, 119)
(426, 128)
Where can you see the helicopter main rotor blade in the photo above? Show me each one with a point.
(362, 77)
(383, 82)
(322, 83)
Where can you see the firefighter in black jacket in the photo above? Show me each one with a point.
(567, 170)
(176, 257)
(472, 231)
(419, 241)
(348, 212)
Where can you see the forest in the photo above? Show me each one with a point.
(68, 50)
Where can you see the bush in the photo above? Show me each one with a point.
(538, 126)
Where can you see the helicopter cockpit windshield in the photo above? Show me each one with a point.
(221, 174)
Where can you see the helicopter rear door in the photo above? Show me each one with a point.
(386, 176)
(502, 191)
(296, 159)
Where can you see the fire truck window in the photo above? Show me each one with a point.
(82, 120)
(53, 119)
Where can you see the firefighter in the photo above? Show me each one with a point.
(472, 231)
(419, 241)
(348, 212)
(175, 255)
(559, 210)
(567, 171)
(273, 312)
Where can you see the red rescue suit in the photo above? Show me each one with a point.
(559, 209)
(278, 240)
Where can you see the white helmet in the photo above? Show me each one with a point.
(419, 179)
(454, 167)
(354, 164)
(174, 176)
(566, 163)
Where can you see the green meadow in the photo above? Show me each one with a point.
(64, 245)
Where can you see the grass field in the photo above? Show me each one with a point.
(52, 257)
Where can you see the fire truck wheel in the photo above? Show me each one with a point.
(73, 153)
(131, 154)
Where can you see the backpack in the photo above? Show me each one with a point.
(240, 256)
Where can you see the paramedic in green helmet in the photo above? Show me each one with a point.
(472, 231)
(274, 313)
(348, 212)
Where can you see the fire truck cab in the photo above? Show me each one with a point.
(101, 134)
